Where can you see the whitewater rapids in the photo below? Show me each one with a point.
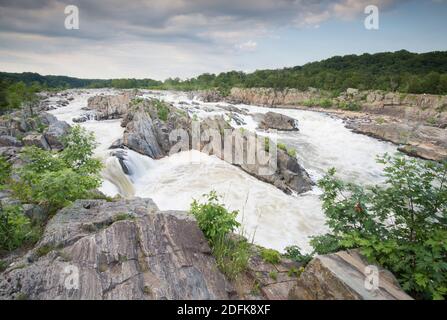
(269, 217)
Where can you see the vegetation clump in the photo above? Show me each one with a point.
(401, 225)
(217, 224)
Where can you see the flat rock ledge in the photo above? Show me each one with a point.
(127, 249)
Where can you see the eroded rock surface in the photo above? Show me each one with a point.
(123, 250)
(342, 276)
(110, 106)
(273, 120)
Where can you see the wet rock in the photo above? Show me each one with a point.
(117, 144)
(273, 120)
(121, 250)
(342, 276)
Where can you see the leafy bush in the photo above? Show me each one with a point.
(213, 218)
(270, 256)
(57, 179)
(5, 172)
(294, 253)
(291, 152)
(15, 228)
(349, 106)
(217, 224)
(162, 110)
(401, 225)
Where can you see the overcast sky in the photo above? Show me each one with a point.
(183, 38)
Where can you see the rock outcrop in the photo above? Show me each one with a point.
(273, 120)
(117, 250)
(343, 276)
(416, 139)
(110, 106)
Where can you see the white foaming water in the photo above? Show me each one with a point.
(269, 217)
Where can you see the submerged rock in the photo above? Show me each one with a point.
(117, 250)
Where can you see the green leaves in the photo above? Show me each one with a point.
(213, 218)
(401, 225)
(15, 228)
(57, 179)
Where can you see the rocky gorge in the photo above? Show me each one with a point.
(129, 248)
(415, 122)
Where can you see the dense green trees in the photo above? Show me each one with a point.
(390, 71)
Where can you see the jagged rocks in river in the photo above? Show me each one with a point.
(273, 120)
(147, 134)
(418, 140)
(110, 106)
(342, 276)
(121, 250)
(287, 174)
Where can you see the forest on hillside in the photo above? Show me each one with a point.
(401, 71)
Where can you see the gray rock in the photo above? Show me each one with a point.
(37, 140)
(273, 120)
(342, 276)
(121, 250)
(10, 141)
(140, 135)
(112, 106)
(55, 132)
(35, 212)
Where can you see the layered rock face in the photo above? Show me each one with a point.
(269, 96)
(273, 120)
(417, 140)
(117, 250)
(147, 134)
(110, 106)
(343, 276)
(418, 122)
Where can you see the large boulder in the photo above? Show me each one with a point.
(111, 106)
(37, 140)
(273, 120)
(345, 275)
(117, 250)
(140, 135)
(55, 132)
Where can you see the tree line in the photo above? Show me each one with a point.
(401, 71)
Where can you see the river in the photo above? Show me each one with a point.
(269, 217)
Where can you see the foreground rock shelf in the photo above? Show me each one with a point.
(129, 249)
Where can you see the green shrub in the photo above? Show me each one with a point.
(56, 179)
(5, 172)
(349, 106)
(217, 224)
(213, 218)
(282, 146)
(294, 253)
(291, 152)
(401, 225)
(270, 256)
(15, 228)
(162, 110)
(273, 275)
(326, 103)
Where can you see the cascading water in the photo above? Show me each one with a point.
(269, 217)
